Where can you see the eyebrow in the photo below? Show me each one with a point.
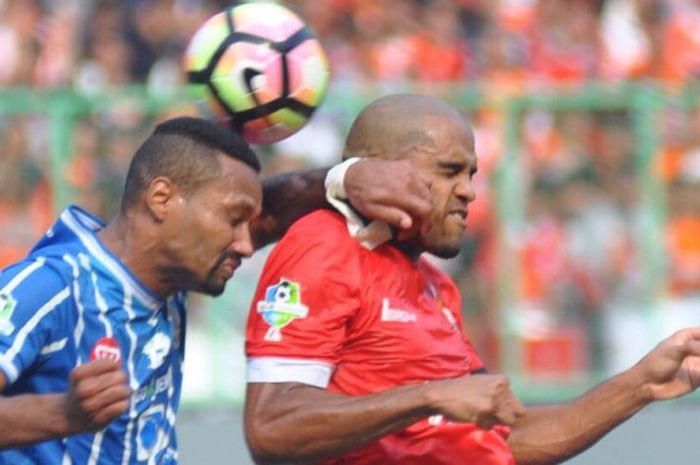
(243, 204)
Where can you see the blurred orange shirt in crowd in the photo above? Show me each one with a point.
(683, 239)
(681, 46)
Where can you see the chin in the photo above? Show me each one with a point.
(213, 289)
(445, 251)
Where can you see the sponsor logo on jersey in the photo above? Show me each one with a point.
(282, 304)
(108, 348)
(396, 314)
(7, 308)
(157, 349)
(152, 389)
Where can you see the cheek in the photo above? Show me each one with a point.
(204, 238)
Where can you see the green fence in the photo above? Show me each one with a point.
(63, 110)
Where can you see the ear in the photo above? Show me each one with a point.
(161, 197)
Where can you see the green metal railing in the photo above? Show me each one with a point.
(64, 108)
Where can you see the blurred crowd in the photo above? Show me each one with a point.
(100, 43)
(577, 247)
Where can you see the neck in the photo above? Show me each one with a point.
(136, 249)
(410, 249)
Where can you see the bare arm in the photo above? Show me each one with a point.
(97, 395)
(550, 435)
(388, 190)
(292, 422)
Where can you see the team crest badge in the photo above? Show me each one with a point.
(282, 304)
(7, 308)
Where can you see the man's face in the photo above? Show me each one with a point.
(448, 158)
(208, 233)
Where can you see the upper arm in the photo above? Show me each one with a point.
(302, 309)
(30, 292)
(267, 399)
(286, 198)
(268, 403)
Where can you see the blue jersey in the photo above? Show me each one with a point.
(72, 300)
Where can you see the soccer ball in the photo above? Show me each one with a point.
(261, 69)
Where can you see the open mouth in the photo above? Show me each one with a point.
(459, 214)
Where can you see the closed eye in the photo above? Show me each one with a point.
(452, 169)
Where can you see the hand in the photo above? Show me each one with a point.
(482, 399)
(672, 368)
(392, 191)
(98, 393)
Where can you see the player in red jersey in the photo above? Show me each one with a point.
(356, 354)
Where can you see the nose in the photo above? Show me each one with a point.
(242, 243)
(465, 190)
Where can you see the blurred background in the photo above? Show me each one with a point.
(582, 250)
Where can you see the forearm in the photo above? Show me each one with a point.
(31, 418)
(286, 198)
(296, 428)
(550, 435)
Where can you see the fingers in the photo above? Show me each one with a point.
(98, 393)
(391, 215)
(485, 400)
(690, 333)
(510, 410)
(681, 344)
(94, 368)
(90, 385)
(691, 348)
(392, 191)
(110, 412)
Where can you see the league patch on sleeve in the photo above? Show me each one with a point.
(7, 308)
(282, 304)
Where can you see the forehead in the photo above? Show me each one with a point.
(447, 140)
(236, 184)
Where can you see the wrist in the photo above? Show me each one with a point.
(59, 424)
(637, 386)
(335, 179)
(431, 399)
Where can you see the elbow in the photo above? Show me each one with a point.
(268, 446)
(259, 445)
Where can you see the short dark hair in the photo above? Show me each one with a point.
(185, 149)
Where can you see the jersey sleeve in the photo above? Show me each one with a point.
(305, 300)
(30, 293)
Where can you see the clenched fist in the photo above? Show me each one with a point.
(98, 393)
(482, 399)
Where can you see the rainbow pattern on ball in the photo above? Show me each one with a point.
(261, 68)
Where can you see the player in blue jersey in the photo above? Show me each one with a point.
(92, 322)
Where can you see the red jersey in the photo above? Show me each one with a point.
(330, 313)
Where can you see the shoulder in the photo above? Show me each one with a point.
(321, 232)
(319, 226)
(36, 276)
(317, 248)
